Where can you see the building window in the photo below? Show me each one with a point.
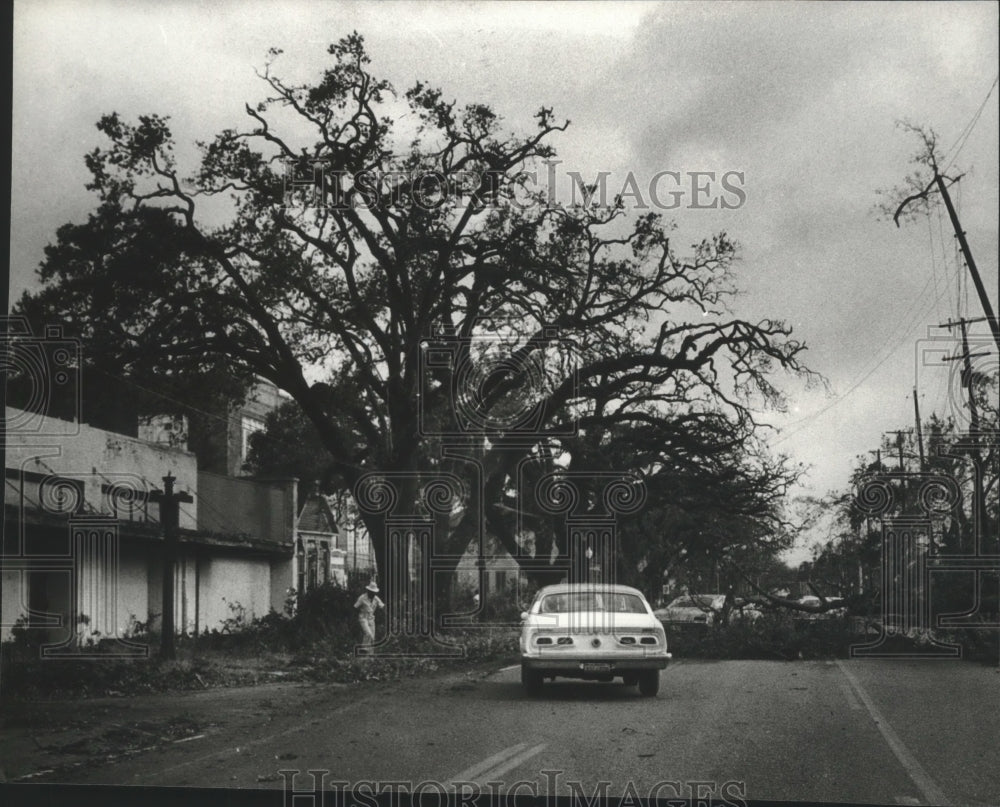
(300, 557)
(325, 562)
(313, 563)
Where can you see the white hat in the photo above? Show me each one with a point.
(372, 587)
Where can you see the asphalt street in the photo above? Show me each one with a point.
(883, 731)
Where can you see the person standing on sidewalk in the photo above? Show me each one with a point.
(366, 605)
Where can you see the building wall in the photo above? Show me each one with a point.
(204, 587)
(233, 581)
(187, 597)
(217, 437)
(230, 506)
(48, 593)
(264, 398)
(113, 602)
(282, 581)
(97, 458)
(206, 584)
(206, 578)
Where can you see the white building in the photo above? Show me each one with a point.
(83, 545)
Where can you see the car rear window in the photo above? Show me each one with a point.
(618, 603)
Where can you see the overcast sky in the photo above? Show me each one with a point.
(801, 98)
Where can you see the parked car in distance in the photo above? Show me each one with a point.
(691, 611)
(745, 609)
(836, 607)
(592, 631)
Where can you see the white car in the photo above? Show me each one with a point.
(592, 631)
(692, 611)
(834, 604)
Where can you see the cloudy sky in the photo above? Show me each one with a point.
(801, 98)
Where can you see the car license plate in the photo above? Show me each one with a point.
(595, 667)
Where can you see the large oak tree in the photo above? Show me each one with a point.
(400, 242)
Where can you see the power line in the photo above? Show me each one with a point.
(916, 322)
(941, 392)
(934, 267)
(964, 134)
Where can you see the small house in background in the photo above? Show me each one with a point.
(319, 555)
(359, 554)
(500, 569)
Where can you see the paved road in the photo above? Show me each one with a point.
(888, 731)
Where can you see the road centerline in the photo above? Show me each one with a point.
(510, 764)
(928, 788)
(469, 774)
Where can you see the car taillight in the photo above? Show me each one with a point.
(564, 640)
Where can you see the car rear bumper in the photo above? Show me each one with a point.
(615, 666)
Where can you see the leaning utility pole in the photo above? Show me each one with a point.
(939, 181)
(960, 235)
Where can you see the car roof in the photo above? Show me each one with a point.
(565, 588)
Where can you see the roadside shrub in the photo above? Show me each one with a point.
(978, 644)
(489, 644)
(783, 635)
(506, 605)
(323, 614)
(322, 618)
(775, 635)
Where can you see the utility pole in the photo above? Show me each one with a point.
(942, 188)
(920, 433)
(903, 480)
(169, 519)
(978, 496)
(960, 235)
(967, 360)
(899, 446)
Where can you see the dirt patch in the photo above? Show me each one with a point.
(55, 740)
